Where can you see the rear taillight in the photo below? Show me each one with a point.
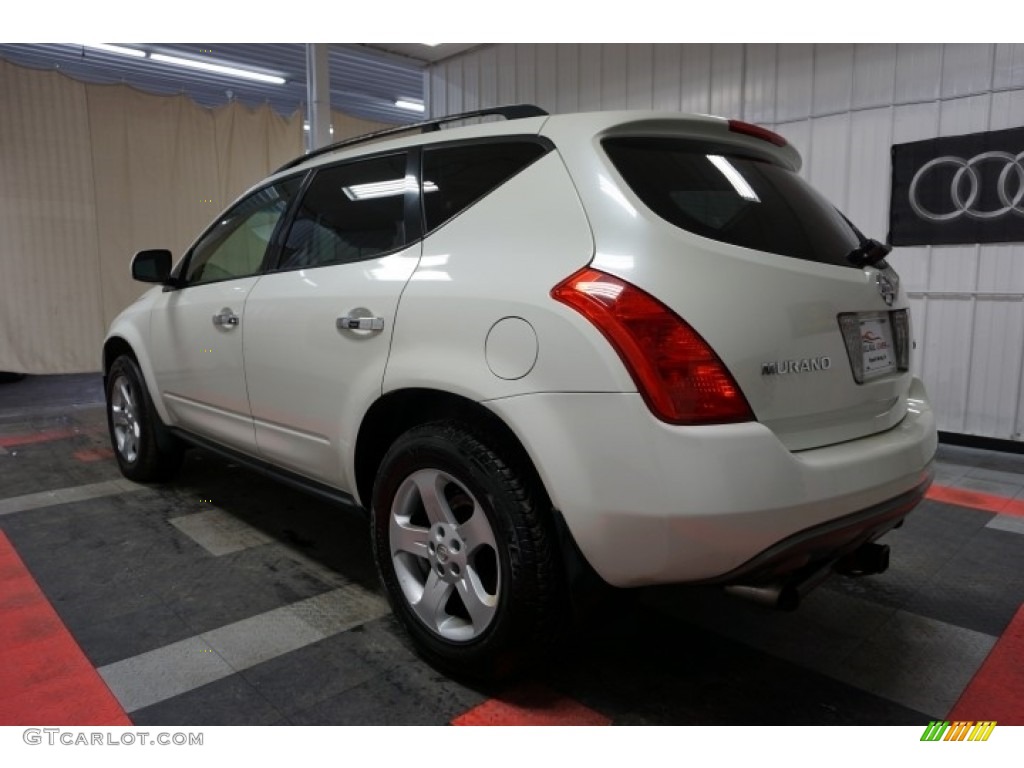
(680, 377)
(749, 129)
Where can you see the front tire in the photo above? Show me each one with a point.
(146, 452)
(466, 551)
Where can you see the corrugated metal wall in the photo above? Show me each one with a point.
(843, 106)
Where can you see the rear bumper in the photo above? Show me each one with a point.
(827, 542)
(651, 503)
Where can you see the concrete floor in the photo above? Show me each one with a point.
(228, 599)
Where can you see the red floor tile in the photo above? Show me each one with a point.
(45, 679)
(91, 455)
(996, 692)
(531, 705)
(9, 441)
(976, 500)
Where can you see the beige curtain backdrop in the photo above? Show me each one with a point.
(90, 174)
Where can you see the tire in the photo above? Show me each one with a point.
(145, 450)
(465, 548)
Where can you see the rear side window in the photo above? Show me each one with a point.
(741, 200)
(349, 213)
(456, 177)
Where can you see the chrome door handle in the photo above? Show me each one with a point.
(225, 319)
(351, 323)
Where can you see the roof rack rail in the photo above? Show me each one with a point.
(510, 112)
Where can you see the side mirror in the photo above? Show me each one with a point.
(152, 266)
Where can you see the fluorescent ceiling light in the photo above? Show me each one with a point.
(108, 48)
(218, 68)
(735, 178)
(414, 106)
(431, 45)
(385, 188)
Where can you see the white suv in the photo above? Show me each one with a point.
(629, 343)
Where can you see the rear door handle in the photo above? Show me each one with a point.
(351, 323)
(226, 319)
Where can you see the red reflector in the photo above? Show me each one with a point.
(680, 377)
(738, 126)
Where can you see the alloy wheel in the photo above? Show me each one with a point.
(125, 418)
(445, 556)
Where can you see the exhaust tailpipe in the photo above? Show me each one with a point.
(785, 597)
(867, 560)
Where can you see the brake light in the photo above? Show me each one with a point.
(678, 374)
(738, 126)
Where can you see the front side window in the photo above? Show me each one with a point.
(722, 194)
(349, 213)
(455, 177)
(236, 245)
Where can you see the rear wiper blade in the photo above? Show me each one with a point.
(868, 253)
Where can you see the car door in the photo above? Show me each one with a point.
(196, 330)
(318, 326)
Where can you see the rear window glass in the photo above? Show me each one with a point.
(456, 177)
(741, 200)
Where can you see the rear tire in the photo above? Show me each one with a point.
(465, 548)
(146, 452)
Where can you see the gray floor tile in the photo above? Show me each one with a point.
(827, 627)
(340, 609)
(980, 588)
(229, 701)
(218, 532)
(294, 576)
(959, 454)
(171, 670)
(251, 641)
(1007, 523)
(918, 662)
(945, 472)
(411, 694)
(163, 673)
(130, 634)
(997, 476)
(42, 499)
(298, 680)
(971, 483)
(929, 539)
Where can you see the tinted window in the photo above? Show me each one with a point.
(456, 177)
(740, 200)
(350, 212)
(236, 244)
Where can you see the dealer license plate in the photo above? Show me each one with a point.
(877, 345)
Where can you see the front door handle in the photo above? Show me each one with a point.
(352, 323)
(226, 319)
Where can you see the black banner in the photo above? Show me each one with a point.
(959, 189)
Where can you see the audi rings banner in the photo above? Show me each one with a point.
(959, 189)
